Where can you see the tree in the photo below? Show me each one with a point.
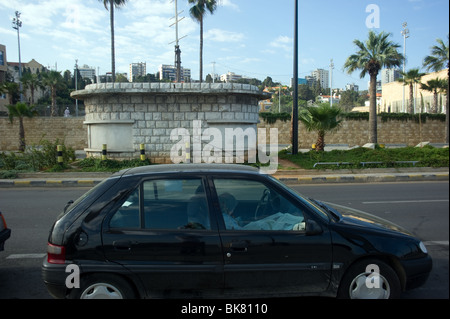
(411, 78)
(112, 4)
(54, 81)
(377, 52)
(12, 89)
(198, 12)
(438, 60)
(322, 119)
(31, 81)
(20, 110)
(435, 86)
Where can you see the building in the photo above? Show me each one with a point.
(137, 69)
(423, 100)
(390, 75)
(230, 77)
(169, 72)
(352, 87)
(87, 72)
(323, 77)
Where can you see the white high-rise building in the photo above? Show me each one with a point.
(323, 77)
(390, 75)
(137, 69)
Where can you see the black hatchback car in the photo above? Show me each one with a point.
(215, 231)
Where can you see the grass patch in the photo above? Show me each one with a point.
(427, 156)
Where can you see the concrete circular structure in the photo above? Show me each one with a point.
(162, 115)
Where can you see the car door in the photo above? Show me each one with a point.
(266, 247)
(162, 232)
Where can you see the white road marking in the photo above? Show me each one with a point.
(408, 201)
(25, 256)
(436, 242)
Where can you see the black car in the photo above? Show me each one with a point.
(216, 231)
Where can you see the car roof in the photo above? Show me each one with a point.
(188, 168)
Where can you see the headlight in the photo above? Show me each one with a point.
(423, 248)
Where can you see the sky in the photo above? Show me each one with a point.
(253, 38)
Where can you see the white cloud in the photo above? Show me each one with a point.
(218, 35)
(229, 4)
(282, 42)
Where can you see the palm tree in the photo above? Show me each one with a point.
(54, 81)
(377, 52)
(12, 89)
(20, 110)
(198, 12)
(411, 78)
(321, 119)
(31, 81)
(112, 4)
(438, 60)
(435, 86)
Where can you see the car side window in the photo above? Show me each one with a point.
(127, 216)
(166, 204)
(252, 205)
(175, 204)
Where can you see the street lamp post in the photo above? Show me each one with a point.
(405, 34)
(295, 83)
(17, 24)
(76, 87)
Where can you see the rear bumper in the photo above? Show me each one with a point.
(4, 235)
(54, 277)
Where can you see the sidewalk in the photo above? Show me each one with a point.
(285, 174)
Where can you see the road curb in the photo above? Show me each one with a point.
(287, 179)
(363, 178)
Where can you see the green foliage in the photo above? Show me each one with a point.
(271, 118)
(427, 156)
(97, 165)
(38, 157)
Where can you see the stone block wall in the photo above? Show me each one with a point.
(70, 130)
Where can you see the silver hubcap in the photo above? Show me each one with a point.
(375, 287)
(101, 291)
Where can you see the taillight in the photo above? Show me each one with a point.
(56, 254)
(3, 221)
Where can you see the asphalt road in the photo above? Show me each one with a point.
(421, 207)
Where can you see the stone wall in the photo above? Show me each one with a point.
(71, 131)
(125, 115)
(353, 132)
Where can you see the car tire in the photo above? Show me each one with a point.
(102, 286)
(370, 279)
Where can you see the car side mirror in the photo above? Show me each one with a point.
(313, 228)
(70, 202)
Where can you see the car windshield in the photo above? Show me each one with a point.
(321, 212)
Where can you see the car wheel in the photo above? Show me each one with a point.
(103, 286)
(370, 279)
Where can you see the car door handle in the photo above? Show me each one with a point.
(240, 246)
(122, 245)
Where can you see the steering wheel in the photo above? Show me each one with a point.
(263, 204)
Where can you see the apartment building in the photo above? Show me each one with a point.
(169, 72)
(137, 69)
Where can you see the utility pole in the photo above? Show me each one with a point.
(177, 46)
(331, 82)
(405, 34)
(17, 24)
(76, 87)
(295, 104)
